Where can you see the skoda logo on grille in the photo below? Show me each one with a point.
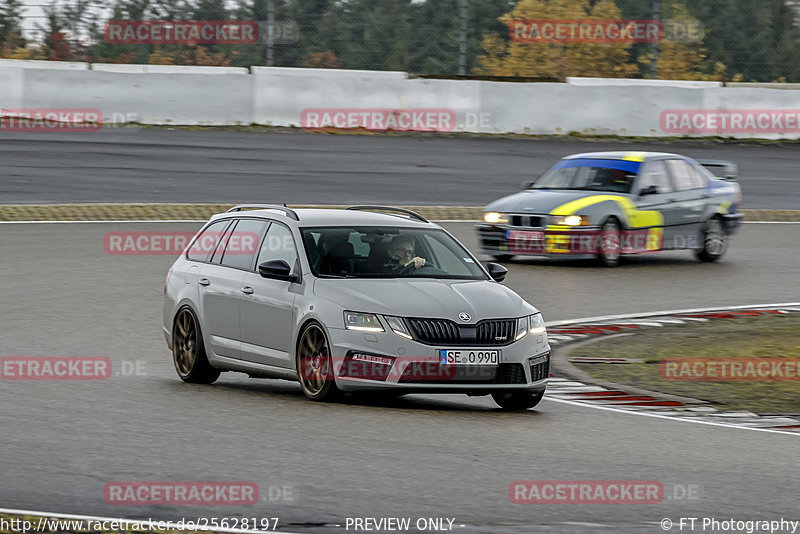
(464, 316)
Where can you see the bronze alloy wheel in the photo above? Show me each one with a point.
(188, 351)
(314, 364)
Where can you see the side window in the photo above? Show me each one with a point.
(206, 242)
(278, 245)
(701, 178)
(242, 244)
(655, 173)
(683, 174)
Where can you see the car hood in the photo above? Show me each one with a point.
(424, 297)
(541, 201)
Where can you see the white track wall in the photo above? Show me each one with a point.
(277, 97)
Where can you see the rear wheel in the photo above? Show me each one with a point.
(610, 243)
(315, 365)
(188, 351)
(715, 241)
(517, 400)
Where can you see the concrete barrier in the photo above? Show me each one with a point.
(167, 69)
(38, 64)
(278, 97)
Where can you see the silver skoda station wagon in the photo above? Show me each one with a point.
(367, 298)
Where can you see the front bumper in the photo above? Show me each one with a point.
(410, 366)
(563, 241)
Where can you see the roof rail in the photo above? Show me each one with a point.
(286, 211)
(411, 214)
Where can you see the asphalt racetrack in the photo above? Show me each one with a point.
(416, 456)
(162, 165)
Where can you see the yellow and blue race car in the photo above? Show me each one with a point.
(608, 204)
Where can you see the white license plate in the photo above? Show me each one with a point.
(525, 235)
(469, 357)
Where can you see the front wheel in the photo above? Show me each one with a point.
(188, 351)
(715, 241)
(517, 400)
(610, 243)
(315, 365)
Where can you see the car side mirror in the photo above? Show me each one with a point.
(277, 270)
(497, 271)
(649, 190)
(528, 184)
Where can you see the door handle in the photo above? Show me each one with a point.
(204, 282)
(672, 199)
(247, 290)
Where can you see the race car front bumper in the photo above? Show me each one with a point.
(498, 240)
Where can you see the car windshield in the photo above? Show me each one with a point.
(387, 252)
(615, 176)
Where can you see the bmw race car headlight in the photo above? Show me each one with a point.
(570, 220)
(398, 326)
(493, 217)
(365, 322)
(537, 324)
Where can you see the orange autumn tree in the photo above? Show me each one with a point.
(681, 55)
(505, 57)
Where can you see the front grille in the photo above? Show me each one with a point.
(428, 373)
(527, 221)
(445, 332)
(435, 331)
(496, 332)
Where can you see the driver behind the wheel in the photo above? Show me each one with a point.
(401, 254)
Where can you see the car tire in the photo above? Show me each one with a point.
(502, 257)
(715, 240)
(517, 400)
(315, 365)
(610, 243)
(188, 350)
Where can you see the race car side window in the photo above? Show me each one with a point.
(655, 174)
(684, 177)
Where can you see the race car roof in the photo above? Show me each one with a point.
(625, 156)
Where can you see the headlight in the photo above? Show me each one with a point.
(537, 324)
(365, 322)
(569, 220)
(398, 326)
(522, 328)
(495, 218)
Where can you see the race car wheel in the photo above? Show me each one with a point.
(715, 240)
(517, 400)
(188, 351)
(610, 243)
(315, 365)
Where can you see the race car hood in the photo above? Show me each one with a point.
(541, 201)
(424, 297)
